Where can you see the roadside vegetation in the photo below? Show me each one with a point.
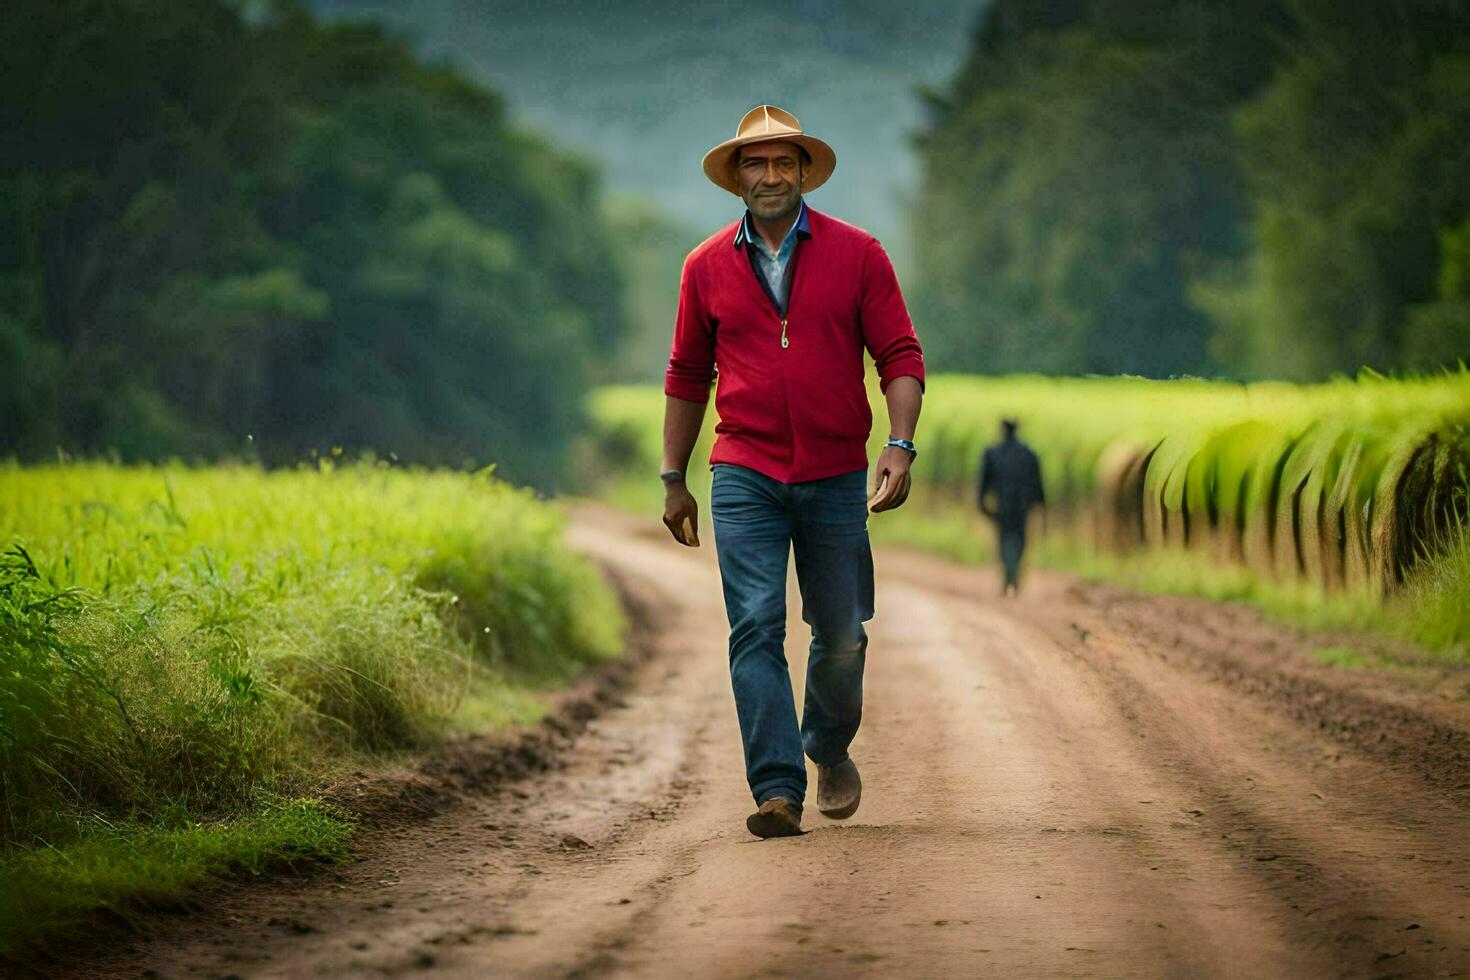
(191, 655)
(1338, 505)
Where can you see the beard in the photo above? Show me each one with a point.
(769, 208)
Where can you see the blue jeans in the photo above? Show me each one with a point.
(756, 520)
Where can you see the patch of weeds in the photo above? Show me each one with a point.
(1340, 656)
(126, 869)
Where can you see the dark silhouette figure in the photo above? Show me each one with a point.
(1010, 471)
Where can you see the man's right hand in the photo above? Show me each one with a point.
(681, 515)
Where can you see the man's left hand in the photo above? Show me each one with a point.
(891, 482)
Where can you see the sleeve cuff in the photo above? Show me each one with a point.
(908, 367)
(690, 391)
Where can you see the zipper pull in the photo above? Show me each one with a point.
(784, 341)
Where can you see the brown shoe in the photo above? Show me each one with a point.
(777, 817)
(839, 790)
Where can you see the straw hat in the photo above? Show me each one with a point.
(763, 124)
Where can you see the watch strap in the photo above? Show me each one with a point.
(903, 444)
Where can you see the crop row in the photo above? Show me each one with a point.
(1347, 484)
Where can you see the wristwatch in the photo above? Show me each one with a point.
(671, 476)
(902, 444)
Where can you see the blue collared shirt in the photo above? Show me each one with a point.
(773, 267)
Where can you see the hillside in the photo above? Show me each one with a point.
(679, 77)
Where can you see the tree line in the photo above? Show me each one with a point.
(1264, 188)
(233, 229)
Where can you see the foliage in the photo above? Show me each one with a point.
(175, 637)
(1357, 166)
(651, 249)
(1161, 187)
(1438, 597)
(284, 231)
(119, 868)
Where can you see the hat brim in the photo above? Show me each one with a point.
(719, 163)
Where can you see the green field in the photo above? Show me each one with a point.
(189, 654)
(1338, 504)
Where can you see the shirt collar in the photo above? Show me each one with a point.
(746, 233)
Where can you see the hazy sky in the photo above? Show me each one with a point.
(647, 87)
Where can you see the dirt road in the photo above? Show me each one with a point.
(1076, 783)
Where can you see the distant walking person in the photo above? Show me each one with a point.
(1011, 472)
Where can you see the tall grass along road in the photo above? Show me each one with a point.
(1332, 505)
(190, 657)
(1080, 781)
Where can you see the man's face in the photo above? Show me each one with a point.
(770, 178)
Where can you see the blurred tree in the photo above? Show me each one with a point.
(651, 248)
(1078, 177)
(1271, 187)
(1437, 333)
(1357, 157)
(227, 225)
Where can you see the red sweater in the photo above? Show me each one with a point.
(800, 412)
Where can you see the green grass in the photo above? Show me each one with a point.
(1339, 656)
(1434, 606)
(1428, 612)
(491, 703)
(45, 890)
(1431, 611)
(180, 643)
(949, 531)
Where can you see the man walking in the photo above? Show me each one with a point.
(783, 303)
(1011, 472)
